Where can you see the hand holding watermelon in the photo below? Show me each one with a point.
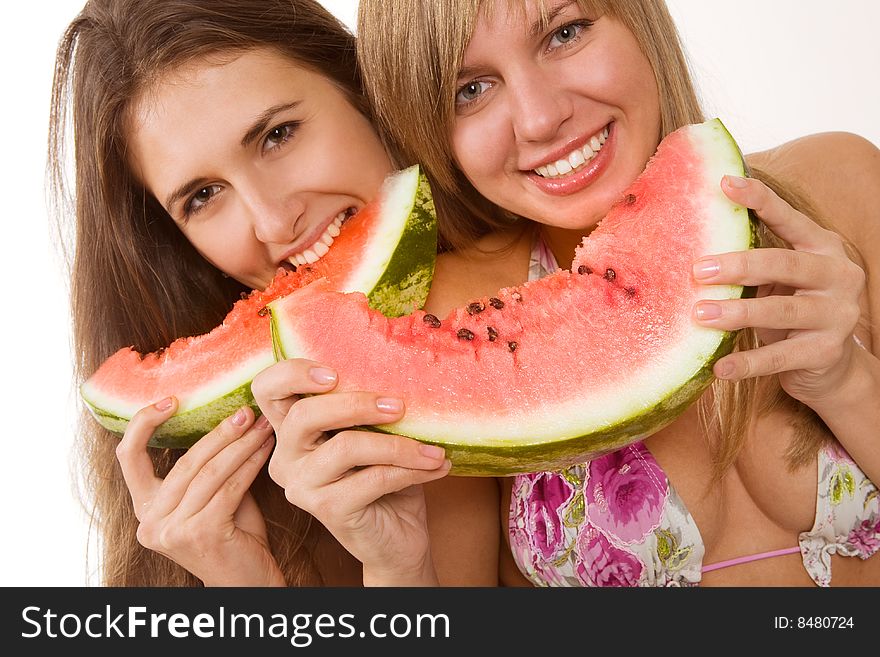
(364, 487)
(202, 515)
(807, 305)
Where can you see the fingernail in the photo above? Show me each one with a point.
(708, 311)
(239, 418)
(706, 268)
(737, 181)
(322, 375)
(432, 451)
(389, 405)
(724, 370)
(262, 422)
(164, 405)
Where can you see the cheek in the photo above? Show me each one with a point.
(478, 150)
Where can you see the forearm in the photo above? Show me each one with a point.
(853, 414)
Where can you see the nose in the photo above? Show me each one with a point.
(273, 213)
(538, 108)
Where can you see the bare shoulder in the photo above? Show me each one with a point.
(840, 173)
(497, 260)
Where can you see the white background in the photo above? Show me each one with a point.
(771, 70)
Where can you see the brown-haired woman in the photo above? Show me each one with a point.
(214, 141)
(549, 109)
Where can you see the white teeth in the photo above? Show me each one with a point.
(576, 159)
(310, 256)
(326, 239)
(333, 230)
(320, 249)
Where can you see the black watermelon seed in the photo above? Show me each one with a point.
(610, 274)
(583, 269)
(630, 199)
(465, 334)
(493, 334)
(431, 320)
(631, 291)
(496, 303)
(262, 312)
(512, 346)
(475, 307)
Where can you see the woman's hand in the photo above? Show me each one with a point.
(807, 304)
(202, 515)
(364, 487)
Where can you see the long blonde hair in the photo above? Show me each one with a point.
(410, 52)
(135, 280)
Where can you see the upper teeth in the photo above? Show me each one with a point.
(576, 159)
(322, 245)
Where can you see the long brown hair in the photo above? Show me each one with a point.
(410, 52)
(135, 280)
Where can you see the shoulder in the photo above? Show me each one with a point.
(840, 173)
(496, 261)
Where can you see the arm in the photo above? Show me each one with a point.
(813, 299)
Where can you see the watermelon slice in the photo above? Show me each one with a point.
(386, 251)
(562, 369)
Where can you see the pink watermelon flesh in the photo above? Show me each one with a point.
(210, 374)
(552, 372)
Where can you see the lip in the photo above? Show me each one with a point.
(564, 151)
(582, 178)
(313, 237)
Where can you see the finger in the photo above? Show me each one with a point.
(231, 493)
(791, 225)
(796, 269)
(309, 418)
(352, 450)
(137, 466)
(277, 387)
(798, 353)
(773, 312)
(362, 488)
(190, 464)
(225, 476)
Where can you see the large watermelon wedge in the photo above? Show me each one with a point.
(386, 251)
(568, 367)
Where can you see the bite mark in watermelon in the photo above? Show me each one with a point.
(562, 369)
(386, 251)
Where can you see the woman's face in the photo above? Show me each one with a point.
(257, 160)
(553, 123)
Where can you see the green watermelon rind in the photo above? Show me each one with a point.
(402, 287)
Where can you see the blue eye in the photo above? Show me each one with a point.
(471, 92)
(568, 33)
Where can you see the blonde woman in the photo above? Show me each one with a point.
(768, 479)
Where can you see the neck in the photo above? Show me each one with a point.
(562, 242)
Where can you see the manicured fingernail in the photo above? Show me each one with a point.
(708, 311)
(262, 422)
(432, 451)
(389, 405)
(706, 268)
(239, 418)
(724, 370)
(737, 181)
(322, 375)
(164, 405)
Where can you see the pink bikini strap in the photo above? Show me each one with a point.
(751, 557)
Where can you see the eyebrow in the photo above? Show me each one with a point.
(535, 30)
(539, 25)
(256, 128)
